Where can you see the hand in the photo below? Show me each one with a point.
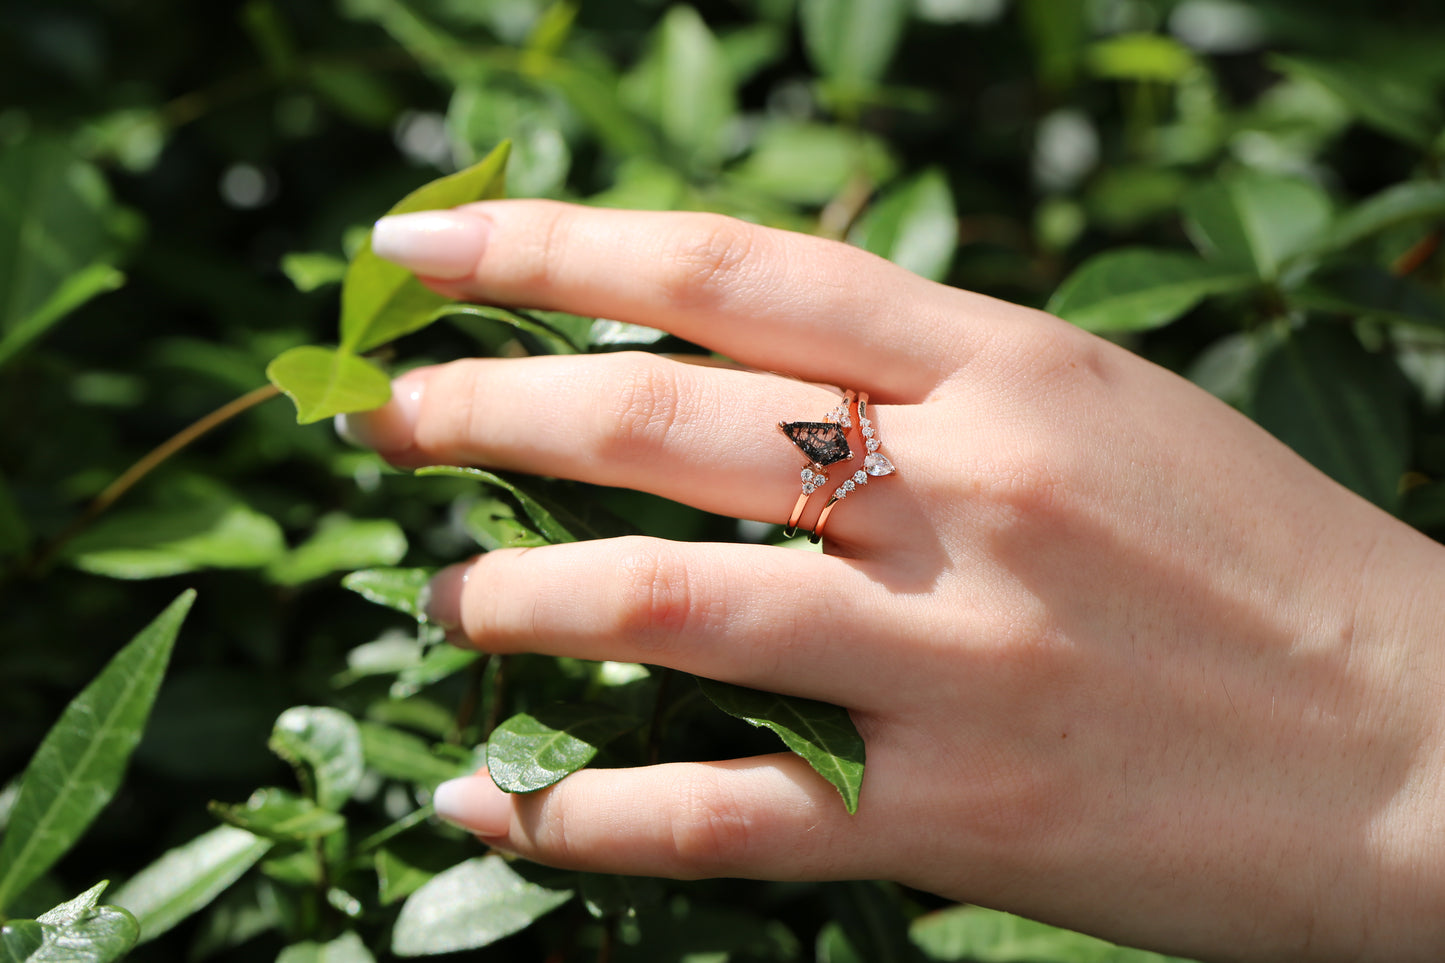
(1122, 661)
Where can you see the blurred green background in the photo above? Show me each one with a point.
(181, 183)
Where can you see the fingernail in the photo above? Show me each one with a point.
(441, 599)
(390, 429)
(474, 803)
(438, 244)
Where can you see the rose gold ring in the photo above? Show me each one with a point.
(875, 464)
(823, 443)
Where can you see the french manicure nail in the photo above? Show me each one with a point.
(438, 244)
(391, 428)
(474, 803)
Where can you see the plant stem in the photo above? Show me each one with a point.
(148, 463)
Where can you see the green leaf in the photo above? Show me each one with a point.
(346, 948)
(101, 934)
(381, 301)
(531, 751)
(1255, 221)
(553, 338)
(191, 527)
(812, 163)
(472, 904)
(188, 878)
(1140, 57)
(401, 755)
(1343, 408)
(1392, 105)
(973, 933)
(1135, 289)
(544, 517)
(310, 270)
(851, 42)
(395, 588)
(494, 524)
(57, 238)
(75, 290)
(685, 85)
(874, 919)
(340, 544)
(81, 761)
(279, 815)
(913, 225)
(73, 909)
(823, 734)
(324, 744)
(1366, 291)
(19, 939)
(442, 662)
(1396, 205)
(396, 878)
(324, 382)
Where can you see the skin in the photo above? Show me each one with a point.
(1122, 661)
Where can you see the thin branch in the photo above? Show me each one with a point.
(152, 460)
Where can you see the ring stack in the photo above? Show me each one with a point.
(825, 443)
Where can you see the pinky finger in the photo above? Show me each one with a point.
(766, 817)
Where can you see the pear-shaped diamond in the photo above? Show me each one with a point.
(877, 464)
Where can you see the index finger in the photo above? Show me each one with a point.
(771, 299)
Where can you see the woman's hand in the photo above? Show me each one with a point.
(1122, 661)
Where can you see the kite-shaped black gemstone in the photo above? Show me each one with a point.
(822, 441)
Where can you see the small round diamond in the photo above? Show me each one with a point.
(860, 476)
(868, 432)
(840, 493)
(849, 485)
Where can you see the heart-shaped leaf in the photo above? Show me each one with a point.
(533, 750)
(324, 382)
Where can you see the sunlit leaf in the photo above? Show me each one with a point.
(324, 382)
(340, 544)
(1255, 221)
(823, 734)
(395, 588)
(186, 879)
(913, 225)
(852, 42)
(323, 742)
(73, 909)
(470, 905)
(381, 301)
(685, 85)
(19, 939)
(346, 948)
(554, 339)
(811, 163)
(279, 815)
(1134, 289)
(309, 270)
(1392, 105)
(1342, 407)
(533, 750)
(972, 933)
(79, 765)
(401, 755)
(494, 524)
(98, 934)
(1140, 57)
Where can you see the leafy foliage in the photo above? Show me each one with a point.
(185, 198)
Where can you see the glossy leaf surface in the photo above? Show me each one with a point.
(325, 743)
(533, 750)
(1256, 221)
(279, 815)
(823, 734)
(471, 905)
(189, 877)
(79, 765)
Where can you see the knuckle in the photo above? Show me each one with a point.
(642, 409)
(711, 830)
(709, 256)
(655, 596)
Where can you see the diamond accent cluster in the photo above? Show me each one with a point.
(875, 463)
